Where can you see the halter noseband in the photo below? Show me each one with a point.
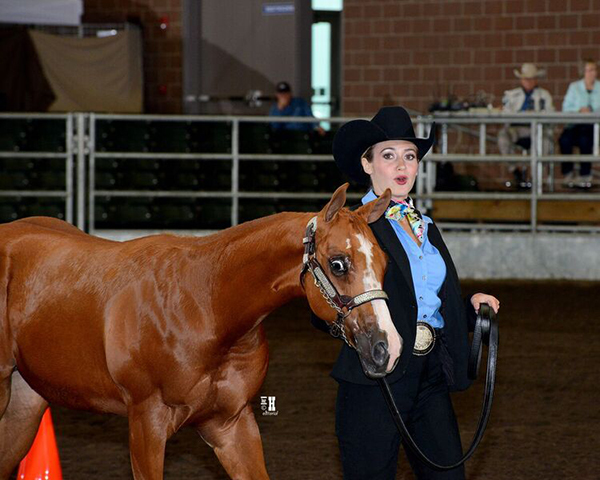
(343, 304)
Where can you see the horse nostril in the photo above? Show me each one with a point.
(380, 354)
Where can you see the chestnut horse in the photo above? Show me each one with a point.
(166, 330)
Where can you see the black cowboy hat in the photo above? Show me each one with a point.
(355, 137)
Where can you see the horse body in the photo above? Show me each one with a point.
(164, 330)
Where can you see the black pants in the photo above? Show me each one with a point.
(368, 439)
(581, 136)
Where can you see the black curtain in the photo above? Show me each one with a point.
(23, 86)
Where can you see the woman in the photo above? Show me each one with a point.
(582, 96)
(423, 288)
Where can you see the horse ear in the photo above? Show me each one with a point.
(338, 200)
(375, 208)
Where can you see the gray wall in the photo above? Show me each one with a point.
(525, 256)
(231, 47)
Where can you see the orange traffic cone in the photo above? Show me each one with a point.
(41, 462)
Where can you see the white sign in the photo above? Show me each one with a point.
(278, 9)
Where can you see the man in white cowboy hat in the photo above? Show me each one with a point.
(526, 98)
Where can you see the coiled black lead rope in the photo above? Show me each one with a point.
(486, 332)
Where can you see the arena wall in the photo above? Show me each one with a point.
(411, 52)
(541, 256)
(500, 256)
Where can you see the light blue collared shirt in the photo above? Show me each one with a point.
(427, 267)
(578, 97)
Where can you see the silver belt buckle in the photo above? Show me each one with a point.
(424, 340)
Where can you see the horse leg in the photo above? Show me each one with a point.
(20, 422)
(151, 423)
(237, 444)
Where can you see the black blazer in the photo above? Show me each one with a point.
(459, 316)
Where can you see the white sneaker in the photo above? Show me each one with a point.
(584, 181)
(569, 180)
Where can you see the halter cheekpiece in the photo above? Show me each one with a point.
(342, 304)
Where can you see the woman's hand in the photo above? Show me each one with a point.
(480, 298)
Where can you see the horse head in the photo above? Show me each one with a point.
(350, 297)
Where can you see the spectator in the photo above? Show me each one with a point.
(582, 96)
(290, 106)
(526, 98)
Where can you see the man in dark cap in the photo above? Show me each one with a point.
(289, 106)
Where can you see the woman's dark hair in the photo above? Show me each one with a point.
(368, 154)
(587, 61)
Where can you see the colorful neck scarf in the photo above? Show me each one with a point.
(405, 208)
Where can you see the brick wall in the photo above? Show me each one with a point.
(162, 47)
(411, 51)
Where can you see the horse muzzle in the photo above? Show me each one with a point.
(373, 352)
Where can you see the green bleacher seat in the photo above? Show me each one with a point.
(12, 133)
(15, 181)
(8, 213)
(44, 135)
(123, 135)
(214, 175)
(291, 142)
(322, 145)
(174, 216)
(105, 180)
(306, 182)
(182, 181)
(170, 137)
(51, 180)
(46, 208)
(108, 164)
(329, 177)
(140, 180)
(133, 215)
(214, 214)
(181, 166)
(249, 209)
(300, 205)
(261, 175)
(210, 137)
(100, 213)
(16, 164)
(255, 138)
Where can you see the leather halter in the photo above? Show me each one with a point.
(342, 304)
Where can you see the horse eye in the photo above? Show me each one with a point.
(338, 267)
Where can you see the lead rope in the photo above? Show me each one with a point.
(486, 332)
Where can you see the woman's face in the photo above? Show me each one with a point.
(590, 72)
(394, 165)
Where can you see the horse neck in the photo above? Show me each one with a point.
(259, 266)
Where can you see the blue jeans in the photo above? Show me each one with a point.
(579, 135)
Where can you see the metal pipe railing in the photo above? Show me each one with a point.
(81, 128)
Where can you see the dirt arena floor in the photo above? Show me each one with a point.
(545, 421)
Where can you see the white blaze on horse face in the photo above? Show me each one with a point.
(382, 313)
(348, 245)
